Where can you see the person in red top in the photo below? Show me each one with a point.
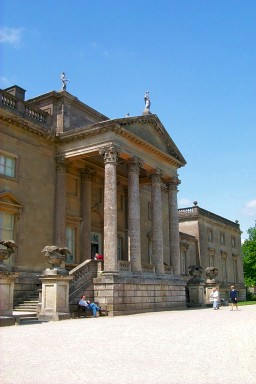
(98, 257)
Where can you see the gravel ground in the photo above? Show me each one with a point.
(199, 346)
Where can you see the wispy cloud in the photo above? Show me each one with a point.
(250, 208)
(4, 82)
(10, 35)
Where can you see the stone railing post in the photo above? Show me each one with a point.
(134, 245)
(174, 238)
(62, 167)
(157, 232)
(110, 154)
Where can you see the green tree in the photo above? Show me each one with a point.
(249, 257)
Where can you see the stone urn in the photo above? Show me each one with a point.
(56, 256)
(195, 271)
(5, 253)
(211, 273)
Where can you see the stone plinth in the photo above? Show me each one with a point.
(196, 295)
(6, 298)
(55, 298)
(208, 290)
(123, 295)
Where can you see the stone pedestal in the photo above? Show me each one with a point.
(55, 298)
(196, 295)
(208, 290)
(6, 298)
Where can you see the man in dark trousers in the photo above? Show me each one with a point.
(233, 297)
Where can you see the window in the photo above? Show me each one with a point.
(71, 243)
(233, 242)
(7, 165)
(6, 226)
(7, 232)
(210, 234)
(222, 238)
(119, 247)
(224, 267)
(211, 257)
(235, 269)
(120, 202)
(183, 263)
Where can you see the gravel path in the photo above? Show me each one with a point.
(178, 347)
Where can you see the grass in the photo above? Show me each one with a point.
(246, 303)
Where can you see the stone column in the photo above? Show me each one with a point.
(174, 237)
(157, 233)
(86, 175)
(110, 209)
(134, 246)
(62, 167)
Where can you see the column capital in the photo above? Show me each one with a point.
(156, 176)
(87, 174)
(134, 165)
(110, 154)
(62, 164)
(173, 183)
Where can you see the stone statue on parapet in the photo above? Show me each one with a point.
(147, 102)
(64, 81)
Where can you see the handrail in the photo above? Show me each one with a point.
(83, 274)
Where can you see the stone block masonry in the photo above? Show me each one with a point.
(124, 295)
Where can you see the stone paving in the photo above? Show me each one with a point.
(176, 347)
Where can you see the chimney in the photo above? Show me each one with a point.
(16, 92)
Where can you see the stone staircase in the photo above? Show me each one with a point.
(25, 310)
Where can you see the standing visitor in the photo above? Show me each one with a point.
(215, 298)
(233, 297)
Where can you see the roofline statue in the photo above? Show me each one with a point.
(64, 81)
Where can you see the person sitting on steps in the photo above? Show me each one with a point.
(92, 306)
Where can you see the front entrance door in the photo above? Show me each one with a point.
(95, 244)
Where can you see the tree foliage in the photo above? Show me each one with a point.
(249, 257)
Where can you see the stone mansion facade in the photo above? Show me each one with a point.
(70, 176)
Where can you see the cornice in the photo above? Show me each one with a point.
(27, 125)
(113, 126)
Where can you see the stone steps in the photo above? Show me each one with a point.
(25, 311)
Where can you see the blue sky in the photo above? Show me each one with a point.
(196, 57)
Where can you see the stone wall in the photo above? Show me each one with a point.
(122, 295)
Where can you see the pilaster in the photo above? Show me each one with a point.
(62, 167)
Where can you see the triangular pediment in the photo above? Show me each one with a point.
(8, 199)
(150, 129)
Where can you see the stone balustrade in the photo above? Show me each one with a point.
(24, 108)
(36, 114)
(82, 275)
(8, 100)
(168, 269)
(124, 266)
(148, 268)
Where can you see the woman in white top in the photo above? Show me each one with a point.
(215, 297)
